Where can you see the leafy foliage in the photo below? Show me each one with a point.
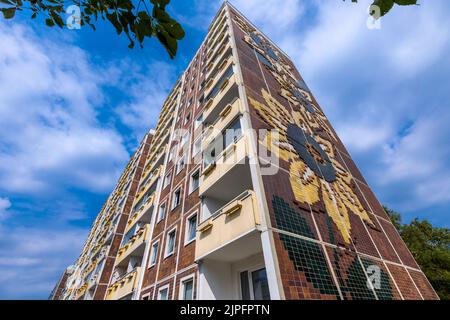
(386, 5)
(430, 247)
(132, 18)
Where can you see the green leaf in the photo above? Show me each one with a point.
(112, 17)
(49, 22)
(167, 41)
(160, 15)
(405, 2)
(384, 5)
(57, 19)
(174, 29)
(8, 13)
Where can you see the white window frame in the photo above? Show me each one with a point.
(196, 152)
(184, 139)
(165, 183)
(168, 254)
(172, 153)
(157, 242)
(198, 123)
(186, 118)
(164, 204)
(190, 181)
(165, 287)
(185, 279)
(250, 284)
(186, 227)
(179, 167)
(173, 206)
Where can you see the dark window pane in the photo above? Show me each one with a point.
(245, 290)
(188, 285)
(232, 133)
(222, 79)
(260, 285)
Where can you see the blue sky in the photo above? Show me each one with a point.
(74, 104)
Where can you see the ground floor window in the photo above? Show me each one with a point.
(163, 293)
(187, 287)
(254, 285)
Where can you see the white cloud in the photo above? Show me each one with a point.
(5, 204)
(49, 133)
(272, 16)
(421, 158)
(148, 88)
(47, 251)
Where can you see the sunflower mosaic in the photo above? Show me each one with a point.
(303, 139)
(314, 173)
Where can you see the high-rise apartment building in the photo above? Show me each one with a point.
(245, 191)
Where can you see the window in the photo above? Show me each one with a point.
(187, 289)
(170, 243)
(209, 157)
(162, 212)
(195, 181)
(180, 164)
(128, 235)
(188, 118)
(264, 60)
(167, 180)
(154, 254)
(198, 121)
(172, 154)
(191, 228)
(184, 139)
(254, 285)
(227, 74)
(197, 146)
(176, 198)
(163, 293)
(232, 133)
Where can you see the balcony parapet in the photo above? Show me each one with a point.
(238, 217)
(123, 286)
(135, 242)
(232, 156)
(225, 117)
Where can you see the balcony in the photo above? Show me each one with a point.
(141, 209)
(124, 286)
(215, 235)
(134, 246)
(90, 268)
(218, 20)
(149, 181)
(155, 159)
(217, 49)
(93, 281)
(222, 95)
(229, 170)
(219, 77)
(144, 214)
(218, 38)
(216, 61)
(223, 119)
(81, 291)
